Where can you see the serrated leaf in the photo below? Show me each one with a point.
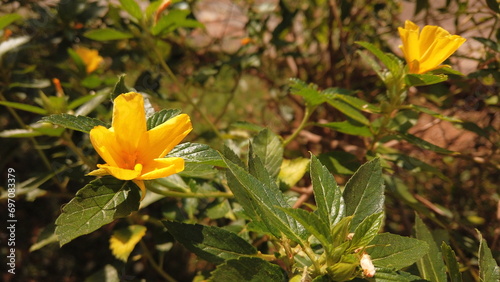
(96, 204)
(262, 202)
(197, 153)
(162, 116)
(313, 224)
(396, 252)
(327, 194)
(80, 123)
(269, 148)
(248, 269)
(364, 192)
(132, 8)
(367, 230)
(120, 87)
(390, 275)
(309, 91)
(488, 267)
(210, 243)
(7, 19)
(349, 111)
(431, 265)
(348, 127)
(105, 34)
(392, 63)
(412, 79)
(451, 263)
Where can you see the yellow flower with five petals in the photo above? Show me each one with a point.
(427, 50)
(132, 152)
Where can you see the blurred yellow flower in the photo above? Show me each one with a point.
(123, 241)
(427, 50)
(132, 152)
(90, 58)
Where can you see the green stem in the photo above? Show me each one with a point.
(151, 260)
(303, 124)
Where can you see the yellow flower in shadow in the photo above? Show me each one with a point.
(90, 58)
(123, 241)
(427, 50)
(132, 152)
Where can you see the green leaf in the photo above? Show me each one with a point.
(262, 202)
(390, 275)
(174, 20)
(412, 79)
(373, 64)
(396, 252)
(342, 95)
(312, 223)
(162, 116)
(327, 194)
(412, 164)
(392, 63)
(80, 123)
(488, 267)
(96, 204)
(120, 87)
(106, 274)
(364, 192)
(35, 83)
(197, 153)
(105, 34)
(367, 230)
(309, 91)
(24, 107)
(493, 5)
(132, 8)
(433, 113)
(423, 144)
(248, 269)
(340, 162)
(349, 111)
(451, 263)
(269, 148)
(210, 243)
(348, 127)
(5, 20)
(431, 265)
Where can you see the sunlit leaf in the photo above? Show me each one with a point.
(431, 265)
(348, 127)
(132, 8)
(367, 230)
(424, 79)
(98, 203)
(313, 224)
(292, 171)
(105, 34)
(451, 263)
(396, 252)
(24, 107)
(80, 123)
(391, 275)
(197, 153)
(269, 148)
(391, 62)
(7, 19)
(488, 267)
(173, 20)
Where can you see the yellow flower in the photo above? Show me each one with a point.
(123, 241)
(132, 152)
(425, 51)
(90, 58)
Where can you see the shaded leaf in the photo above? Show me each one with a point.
(211, 243)
(364, 192)
(396, 252)
(80, 123)
(96, 204)
(451, 263)
(248, 269)
(313, 224)
(488, 267)
(412, 79)
(392, 63)
(422, 143)
(433, 113)
(367, 230)
(309, 91)
(431, 265)
(120, 87)
(348, 127)
(105, 34)
(349, 111)
(340, 162)
(174, 20)
(390, 275)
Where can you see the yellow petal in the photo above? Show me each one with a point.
(162, 167)
(409, 38)
(98, 172)
(141, 186)
(163, 138)
(105, 144)
(120, 173)
(123, 241)
(440, 51)
(129, 123)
